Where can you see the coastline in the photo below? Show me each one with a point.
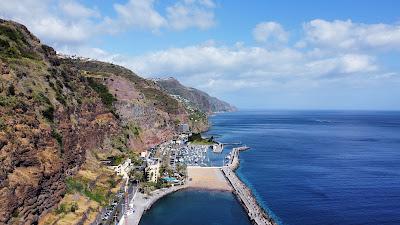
(141, 203)
(212, 179)
(207, 178)
(255, 212)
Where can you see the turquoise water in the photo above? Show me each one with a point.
(196, 207)
(305, 167)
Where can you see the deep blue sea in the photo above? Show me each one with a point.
(308, 167)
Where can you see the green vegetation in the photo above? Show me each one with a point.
(116, 160)
(8, 100)
(137, 175)
(119, 142)
(11, 90)
(132, 128)
(106, 97)
(64, 208)
(15, 213)
(148, 187)
(11, 33)
(197, 139)
(75, 185)
(48, 113)
(59, 93)
(161, 100)
(41, 98)
(197, 115)
(112, 182)
(167, 170)
(74, 207)
(181, 168)
(13, 43)
(57, 136)
(2, 124)
(135, 158)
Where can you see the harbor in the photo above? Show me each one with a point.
(200, 174)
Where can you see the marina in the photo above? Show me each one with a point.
(200, 174)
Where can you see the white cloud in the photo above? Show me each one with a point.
(270, 32)
(77, 10)
(191, 13)
(46, 22)
(68, 22)
(349, 36)
(138, 13)
(211, 67)
(342, 64)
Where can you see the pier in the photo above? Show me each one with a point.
(256, 214)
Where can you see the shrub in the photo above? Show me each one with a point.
(106, 97)
(112, 182)
(74, 207)
(2, 124)
(11, 90)
(48, 113)
(40, 97)
(74, 185)
(61, 209)
(57, 136)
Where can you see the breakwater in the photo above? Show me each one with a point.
(256, 214)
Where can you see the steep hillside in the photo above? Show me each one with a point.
(141, 104)
(59, 117)
(200, 99)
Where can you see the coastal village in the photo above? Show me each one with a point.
(182, 162)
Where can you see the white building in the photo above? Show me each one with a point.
(124, 168)
(144, 154)
(153, 170)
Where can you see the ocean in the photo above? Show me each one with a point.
(306, 167)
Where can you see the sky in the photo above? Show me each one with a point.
(258, 54)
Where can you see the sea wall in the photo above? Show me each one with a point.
(255, 212)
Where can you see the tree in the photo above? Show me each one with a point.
(137, 175)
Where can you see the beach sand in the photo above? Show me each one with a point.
(207, 178)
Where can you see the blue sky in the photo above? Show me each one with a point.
(255, 54)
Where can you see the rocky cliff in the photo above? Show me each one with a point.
(199, 99)
(59, 117)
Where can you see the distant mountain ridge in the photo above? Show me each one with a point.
(203, 101)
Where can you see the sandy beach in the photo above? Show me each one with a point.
(210, 178)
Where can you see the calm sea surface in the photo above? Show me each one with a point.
(305, 167)
(196, 207)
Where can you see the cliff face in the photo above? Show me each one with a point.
(200, 99)
(48, 120)
(59, 117)
(143, 107)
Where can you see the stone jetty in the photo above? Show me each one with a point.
(256, 214)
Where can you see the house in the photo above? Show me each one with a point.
(144, 154)
(152, 170)
(124, 168)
